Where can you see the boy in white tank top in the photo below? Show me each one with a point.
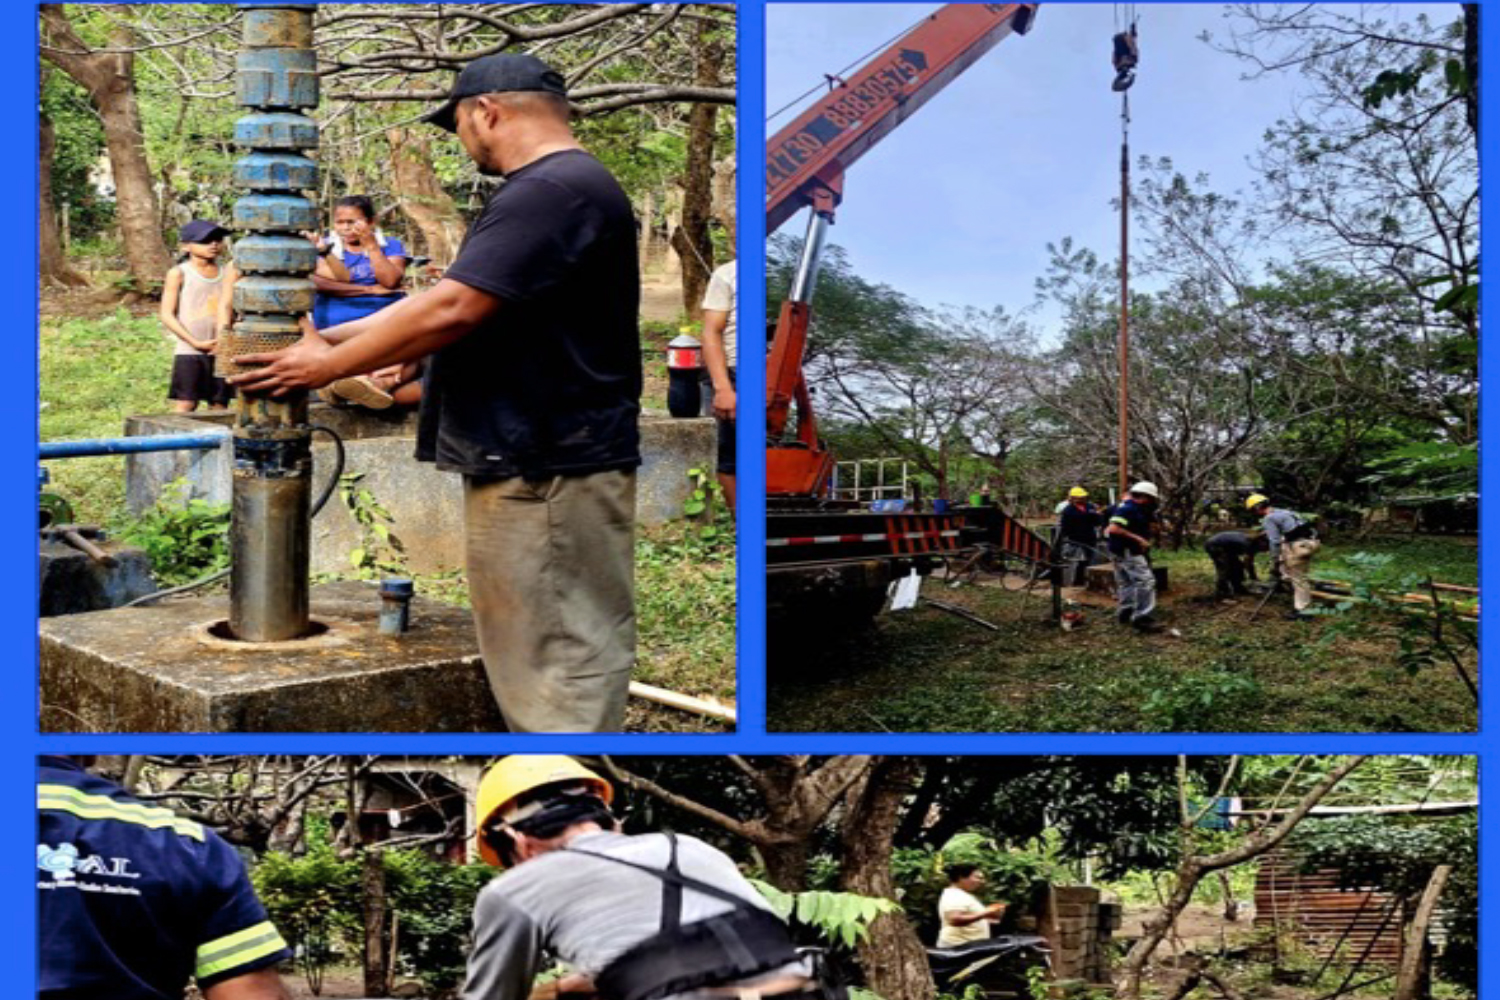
(189, 310)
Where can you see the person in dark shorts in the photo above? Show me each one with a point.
(532, 394)
(720, 352)
(1233, 553)
(190, 311)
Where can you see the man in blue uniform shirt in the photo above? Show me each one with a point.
(133, 900)
(1129, 533)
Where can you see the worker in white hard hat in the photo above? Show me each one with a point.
(1293, 543)
(1129, 534)
(655, 916)
(1077, 535)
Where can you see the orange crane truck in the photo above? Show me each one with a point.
(833, 557)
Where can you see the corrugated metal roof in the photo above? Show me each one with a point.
(1311, 906)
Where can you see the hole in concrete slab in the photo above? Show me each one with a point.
(221, 630)
(334, 632)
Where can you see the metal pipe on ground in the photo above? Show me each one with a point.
(685, 702)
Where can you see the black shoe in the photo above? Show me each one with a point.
(1123, 616)
(1147, 625)
(1298, 616)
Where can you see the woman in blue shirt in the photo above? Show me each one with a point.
(360, 273)
(361, 268)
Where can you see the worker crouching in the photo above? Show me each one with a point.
(644, 917)
(1293, 543)
(1129, 532)
(1233, 555)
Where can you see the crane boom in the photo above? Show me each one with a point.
(805, 164)
(825, 140)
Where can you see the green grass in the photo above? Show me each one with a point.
(95, 373)
(685, 621)
(927, 671)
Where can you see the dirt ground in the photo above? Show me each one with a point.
(1201, 927)
(661, 299)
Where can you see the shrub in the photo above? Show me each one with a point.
(186, 537)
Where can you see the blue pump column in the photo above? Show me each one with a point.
(270, 527)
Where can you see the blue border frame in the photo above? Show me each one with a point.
(17, 487)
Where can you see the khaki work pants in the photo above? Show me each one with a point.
(1296, 560)
(551, 568)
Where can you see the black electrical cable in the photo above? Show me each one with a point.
(338, 468)
(323, 498)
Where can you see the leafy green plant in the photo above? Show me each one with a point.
(186, 537)
(1197, 700)
(380, 551)
(434, 902)
(841, 917)
(314, 901)
(1427, 634)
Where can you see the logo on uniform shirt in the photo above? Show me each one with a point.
(65, 864)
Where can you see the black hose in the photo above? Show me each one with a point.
(338, 468)
(323, 498)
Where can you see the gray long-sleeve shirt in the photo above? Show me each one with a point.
(1277, 523)
(585, 911)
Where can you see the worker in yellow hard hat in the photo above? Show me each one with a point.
(652, 915)
(1293, 542)
(1077, 535)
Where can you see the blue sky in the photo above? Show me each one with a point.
(957, 205)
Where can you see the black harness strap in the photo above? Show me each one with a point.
(672, 876)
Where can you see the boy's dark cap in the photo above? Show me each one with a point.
(200, 231)
(498, 74)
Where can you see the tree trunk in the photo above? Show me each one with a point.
(109, 78)
(646, 246)
(53, 266)
(375, 908)
(798, 798)
(893, 959)
(1409, 977)
(422, 197)
(724, 196)
(691, 239)
(1471, 64)
(1231, 905)
(786, 863)
(1192, 868)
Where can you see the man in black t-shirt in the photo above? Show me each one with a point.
(532, 394)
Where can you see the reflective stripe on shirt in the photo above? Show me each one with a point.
(86, 806)
(238, 949)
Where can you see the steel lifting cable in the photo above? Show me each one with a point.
(828, 78)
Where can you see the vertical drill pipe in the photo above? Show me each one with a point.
(1124, 293)
(269, 533)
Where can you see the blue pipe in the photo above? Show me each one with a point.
(132, 445)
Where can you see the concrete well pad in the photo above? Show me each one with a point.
(157, 669)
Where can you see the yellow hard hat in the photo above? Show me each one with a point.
(1254, 500)
(1078, 491)
(512, 777)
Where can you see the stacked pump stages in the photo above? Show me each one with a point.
(270, 528)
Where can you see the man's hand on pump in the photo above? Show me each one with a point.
(304, 365)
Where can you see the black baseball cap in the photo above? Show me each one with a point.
(497, 74)
(200, 231)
